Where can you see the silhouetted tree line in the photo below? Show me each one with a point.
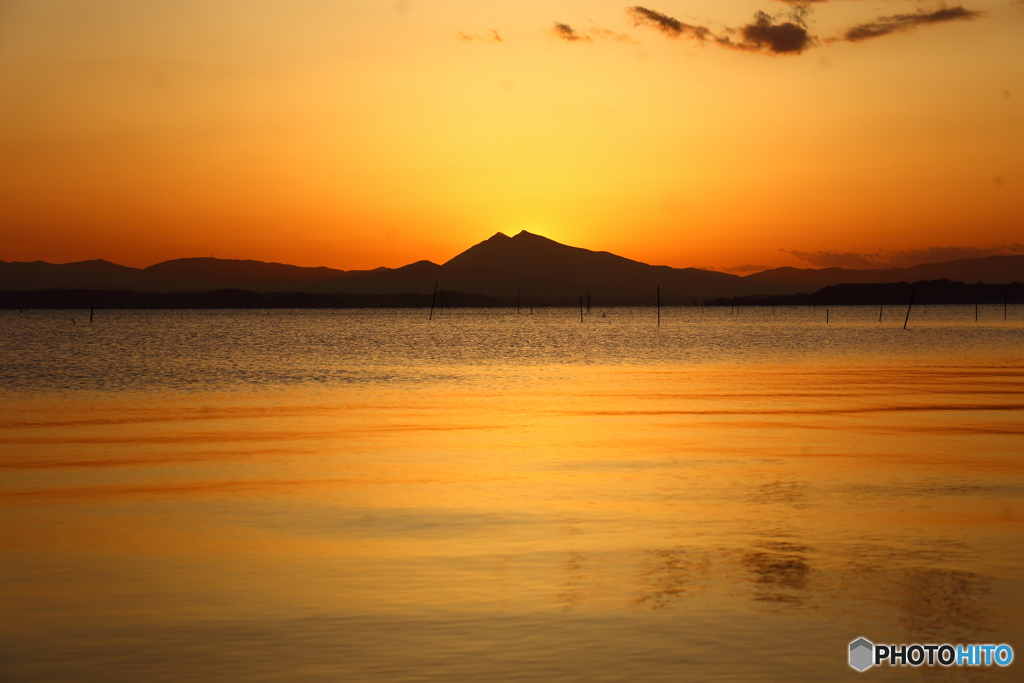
(928, 292)
(229, 298)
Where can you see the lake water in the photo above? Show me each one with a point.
(368, 495)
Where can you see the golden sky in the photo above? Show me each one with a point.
(355, 134)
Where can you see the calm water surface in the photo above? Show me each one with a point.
(366, 495)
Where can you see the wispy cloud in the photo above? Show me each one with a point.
(788, 35)
(764, 34)
(883, 26)
(491, 37)
(606, 34)
(745, 269)
(566, 32)
(666, 24)
(574, 35)
(903, 258)
(835, 259)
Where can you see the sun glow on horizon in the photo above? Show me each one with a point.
(358, 135)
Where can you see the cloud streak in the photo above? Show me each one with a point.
(883, 26)
(611, 35)
(567, 33)
(789, 35)
(903, 258)
(744, 269)
(492, 37)
(667, 25)
(762, 34)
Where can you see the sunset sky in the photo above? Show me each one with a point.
(356, 134)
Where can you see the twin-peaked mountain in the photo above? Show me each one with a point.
(541, 269)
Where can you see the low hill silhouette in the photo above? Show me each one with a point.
(989, 270)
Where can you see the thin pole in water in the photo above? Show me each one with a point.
(1004, 304)
(588, 303)
(880, 312)
(773, 306)
(91, 311)
(581, 308)
(659, 305)
(826, 316)
(912, 293)
(432, 302)
(531, 308)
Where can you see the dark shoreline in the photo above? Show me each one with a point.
(934, 292)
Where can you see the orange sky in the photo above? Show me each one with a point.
(357, 134)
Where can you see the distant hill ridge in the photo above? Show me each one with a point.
(540, 269)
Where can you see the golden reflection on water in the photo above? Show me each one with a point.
(655, 510)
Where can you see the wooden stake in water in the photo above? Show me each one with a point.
(912, 293)
(659, 305)
(581, 308)
(826, 316)
(880, 312)
(91, 310)
(1004, 304)
(432, 298)
(773, 306)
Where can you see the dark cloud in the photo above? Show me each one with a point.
(783, 38)
(566, 32)
(883, 26)
(492, 37)
(667, 25)
(904, 258)
(761, 35)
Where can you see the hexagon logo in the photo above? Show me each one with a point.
(862, 653)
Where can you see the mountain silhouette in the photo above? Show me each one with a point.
(542, 270)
